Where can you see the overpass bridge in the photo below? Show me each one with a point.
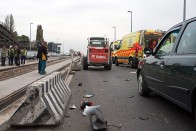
(6, 38)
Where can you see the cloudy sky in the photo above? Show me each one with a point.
(72, 21)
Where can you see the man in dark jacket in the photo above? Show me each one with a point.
(44, 59)
(11, 55)
(17, 55)
(39, 55)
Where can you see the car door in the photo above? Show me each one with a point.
(155, 65)
(181, 68)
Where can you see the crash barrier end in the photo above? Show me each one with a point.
(45, 103)
(77, 65)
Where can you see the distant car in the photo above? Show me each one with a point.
(31, 55)
(170, 69)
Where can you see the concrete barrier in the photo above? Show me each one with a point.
(45, 103)
(76, 65)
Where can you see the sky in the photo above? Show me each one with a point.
(71, 22)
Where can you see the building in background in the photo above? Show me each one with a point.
(54, 47)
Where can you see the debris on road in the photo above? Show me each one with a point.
(88, 95)
(72, 107)
(85, 103)
(127, 79)
(80, 84)
(105, 81)
(132, 72)
(130, 96)
(143, 118)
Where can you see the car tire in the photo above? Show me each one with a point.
(142, 86)
(116, 62)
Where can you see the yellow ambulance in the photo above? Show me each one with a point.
(130, 50)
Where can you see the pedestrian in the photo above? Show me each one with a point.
(44, 59)
(3, 56)
(23, 56)
(11, 55)
(39, 55)
(17, 55)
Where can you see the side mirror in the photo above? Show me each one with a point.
(148, 51)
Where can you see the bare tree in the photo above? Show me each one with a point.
(9, 23)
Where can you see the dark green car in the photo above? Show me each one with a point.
(170, 69)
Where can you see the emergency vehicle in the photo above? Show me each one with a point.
(113, 46)
(98, 53)
(130, 50)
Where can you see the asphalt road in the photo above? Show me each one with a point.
(116, 92)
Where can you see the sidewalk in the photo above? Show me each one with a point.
(13, 84)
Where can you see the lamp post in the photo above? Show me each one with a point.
(114, 33)
(184, 11)
(131, 19)
(30, 35)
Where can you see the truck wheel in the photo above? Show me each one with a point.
(85, 64)
(142, 86)
(131, 62)
(116, 62)
(108, 67)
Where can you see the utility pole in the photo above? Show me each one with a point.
(184, 11)
(114, 33)
(131, 19)
(30, 35)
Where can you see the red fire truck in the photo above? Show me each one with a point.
(98, 53)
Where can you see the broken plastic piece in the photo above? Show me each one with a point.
(85, 103)
(80, 84)
(88, 95)
(72, 107)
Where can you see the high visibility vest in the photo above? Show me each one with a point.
(10, 52)
(3, 53)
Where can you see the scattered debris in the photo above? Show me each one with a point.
(152, 114)
(88, 95)
(85, 103)
(120, 125)
(132, 72)
(80, 84)
(72, 107)
(105, 81)
(130, 96)
(67, 116)
(143, 118)
(127, 79)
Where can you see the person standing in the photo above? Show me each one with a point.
(23, 56)
(44, 59)
(3, 56)
(11, 55)
(17, 56)
(39, 55)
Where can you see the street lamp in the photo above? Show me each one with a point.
(30, 35)
(114, 33)
(184, 12)
(131, 19)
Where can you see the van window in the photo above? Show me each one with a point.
(187, 42)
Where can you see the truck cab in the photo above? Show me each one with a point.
(98, 53)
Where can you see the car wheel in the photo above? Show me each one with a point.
(142, 86)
